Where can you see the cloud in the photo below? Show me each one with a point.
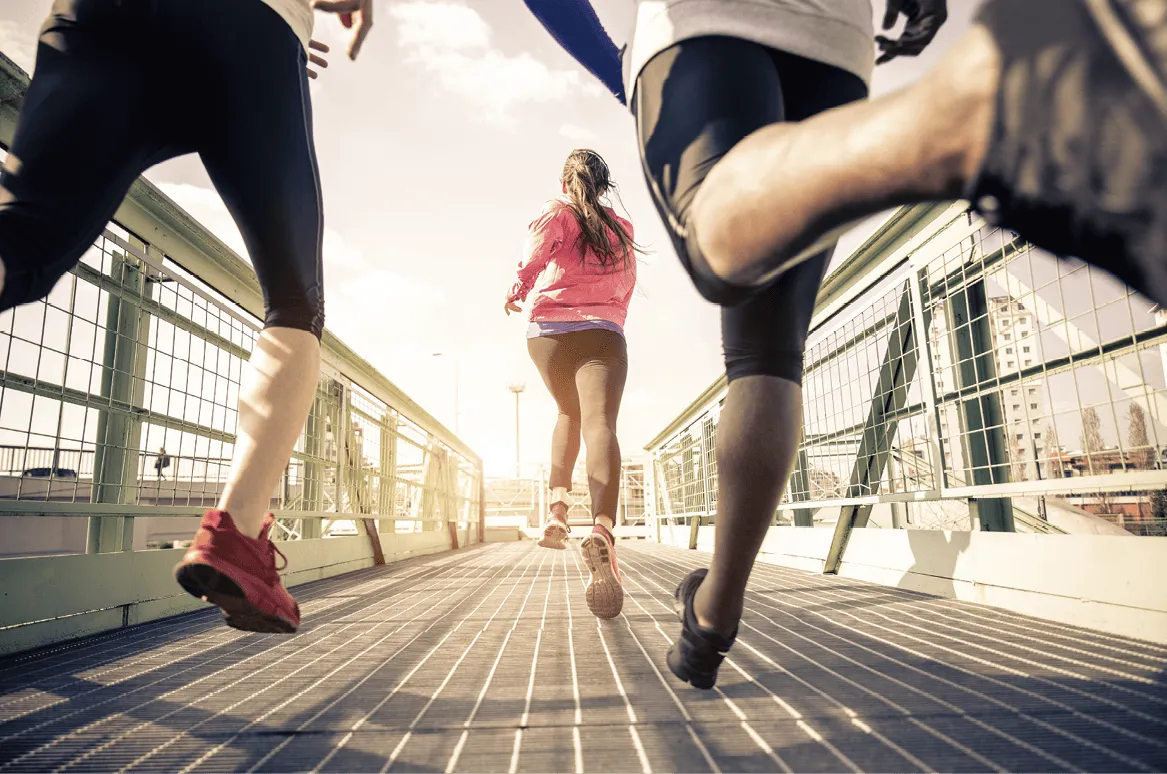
(453, 42)
(17, 45)
(578, 133)
(371, 309)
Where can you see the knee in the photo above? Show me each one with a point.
(709, 273)
(599, 429)
(32, 261)
(302, 310)
(783, 364)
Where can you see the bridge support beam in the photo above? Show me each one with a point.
(123, 388)
(891, 395)
(803, 517)
(387, 487)
(982, 419)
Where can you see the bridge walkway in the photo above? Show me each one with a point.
(486, 659)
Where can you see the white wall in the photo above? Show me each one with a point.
(1110, 583)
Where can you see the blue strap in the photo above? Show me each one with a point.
(575, 26)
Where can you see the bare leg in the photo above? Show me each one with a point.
(274, 398)
(785, 185)
(757, 440)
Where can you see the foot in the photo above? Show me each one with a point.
(555, 530)
(239, 575)
(697, 655)
(605, 594)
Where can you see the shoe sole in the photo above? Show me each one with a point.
(210, 585)
(699, 680)
(554, 536)
(1126, 48)
(605, 595)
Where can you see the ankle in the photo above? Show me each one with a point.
(607, 522)
(712, 614)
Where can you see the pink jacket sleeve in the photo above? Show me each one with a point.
(544, 236)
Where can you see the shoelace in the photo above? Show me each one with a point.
(272, 549)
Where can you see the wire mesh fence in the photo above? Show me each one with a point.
(118, 401)
(970, 365)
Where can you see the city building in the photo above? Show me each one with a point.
(1013, 337)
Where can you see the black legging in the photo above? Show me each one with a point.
(111, 97)
(693, 103)
(585, 372)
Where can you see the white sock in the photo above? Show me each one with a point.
(559, 495)
(607, 522)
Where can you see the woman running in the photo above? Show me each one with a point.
(580, 262)
(111, 97)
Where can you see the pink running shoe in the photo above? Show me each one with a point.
(239, 574)
(604, 593)
(556, 529)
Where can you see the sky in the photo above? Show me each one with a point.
(437, 147)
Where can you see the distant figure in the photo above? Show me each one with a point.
(162, 463)
(580, 263)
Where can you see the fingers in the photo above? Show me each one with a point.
(891, 14)
(337, 6)
(364, 24)
(316, 45)
(319, 61)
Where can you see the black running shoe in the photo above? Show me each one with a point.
(696, 656)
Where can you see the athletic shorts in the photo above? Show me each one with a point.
(121, 85)
(1077, 155)
(694, 102)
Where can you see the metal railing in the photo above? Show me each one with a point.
(959, 378)
(136, 356)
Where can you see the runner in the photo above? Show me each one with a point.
(111, 97)
(1050, 116)
(707, 75)
(580, 264)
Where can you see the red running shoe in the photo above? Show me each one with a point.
(239, 574)
(605, 594)
(555, 529)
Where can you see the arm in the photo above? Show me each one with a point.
(543, 238)
(575, 26)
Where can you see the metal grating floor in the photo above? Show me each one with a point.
(488, 660)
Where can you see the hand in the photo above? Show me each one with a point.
(319, 61)
(349, 10)
(924, 20)
(511, 306)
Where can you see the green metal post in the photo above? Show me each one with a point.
(981, 415)
(119, 430)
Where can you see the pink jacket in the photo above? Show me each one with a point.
(566, 288)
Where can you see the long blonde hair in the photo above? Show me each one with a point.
(586, 178)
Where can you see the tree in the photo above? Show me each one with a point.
(1091, 436)
(1140, 454)
(1053, 452)
(1092, 444)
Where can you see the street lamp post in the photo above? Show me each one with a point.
(517, 388)
(457, 381)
